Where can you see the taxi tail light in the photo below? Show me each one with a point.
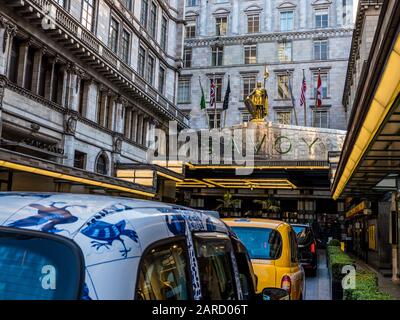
(312, 247)
(286, 284)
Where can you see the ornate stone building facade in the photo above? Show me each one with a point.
(236, 39)
(82, 85)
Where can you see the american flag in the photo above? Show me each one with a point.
(212, 93)
(303, 91)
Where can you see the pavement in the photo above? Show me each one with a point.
(318, 288)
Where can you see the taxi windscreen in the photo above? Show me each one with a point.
(38, 268)
(261, 243)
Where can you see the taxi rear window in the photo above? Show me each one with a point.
(38, 267)
(261, 243)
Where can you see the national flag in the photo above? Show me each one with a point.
(227, 95)
(212, 93)
(303, 91)
(203, 98)
(318, 95)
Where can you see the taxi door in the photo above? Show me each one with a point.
(297, 273)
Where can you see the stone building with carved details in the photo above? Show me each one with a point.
(236, 39)
(82, 84)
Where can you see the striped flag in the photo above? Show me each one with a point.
(303, 91)
(203, 99)
(212, 93)
(318, 94)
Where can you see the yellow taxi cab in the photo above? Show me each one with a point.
(272, 247)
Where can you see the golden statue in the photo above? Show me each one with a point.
(257, 100)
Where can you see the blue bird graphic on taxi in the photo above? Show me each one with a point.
(106, 233)
(49, 216)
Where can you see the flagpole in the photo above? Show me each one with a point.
(229, 79)
(291, 95)
(205, 110)
(215, 103)
(305, 101)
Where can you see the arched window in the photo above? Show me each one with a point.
(102, 164)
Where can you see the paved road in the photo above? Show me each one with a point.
(317, 288)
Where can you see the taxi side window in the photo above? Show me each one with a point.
(293, 247)
(164, 274)
(215, 267)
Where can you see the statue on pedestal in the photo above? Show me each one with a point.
(257, 101)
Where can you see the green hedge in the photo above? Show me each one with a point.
(366, 281)
(366, 288)
(334, 243)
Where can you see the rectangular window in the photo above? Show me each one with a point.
(187, 58)
(80, 160)
(161, 80)
(283, 87)
(190, 30)
(284, 117)
(211, 119)
(141, 61)
(125, 45)
(127, 4)
(249, 83)
(321, 119)
(14, 57)
(324, 81)
(164, 33)
(285, 51)
(250, 54)
(153, 20)
(150, 70)
(29, 68)
(217, 56)
(144, 13)
(321, 19)
(253, 23)
(221, 26)
(184, 91)
(63, 3)
(113, 40)
(321, 50)
(192, 3)
(87, 17)
(287, 21)
(81, 100)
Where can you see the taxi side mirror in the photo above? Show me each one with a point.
(269, 294)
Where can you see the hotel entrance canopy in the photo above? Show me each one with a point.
(371, 151)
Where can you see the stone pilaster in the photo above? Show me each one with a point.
(37, 67)
(7, 33)
(23, 58)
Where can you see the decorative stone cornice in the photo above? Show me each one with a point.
(270, 37)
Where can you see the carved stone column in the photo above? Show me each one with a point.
(120, 105)
(50, 76)
(37, 67)
(22, 62)
(7, 33)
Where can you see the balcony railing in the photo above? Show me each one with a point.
(73, 26)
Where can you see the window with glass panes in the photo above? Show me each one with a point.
(324, 81)
(253, 23)
(321, 50)
(184, 91)
(321, 19)
(144, 13)
(113, 40)
(161, 80)
(63, 3)
(285, 51)
(221, 26)
(217, 56)
(250, 54)
(125, 44)
(192, 3)
(187, 57)
(287, 21)
(284, 117)
(211, 120)
(321, 119)
(283, 86)
(190, 30)
(153, 20)
(164, 33)
(141, 61)
(249, 83)
(127, 4)
(87, 14)
(150, 70)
